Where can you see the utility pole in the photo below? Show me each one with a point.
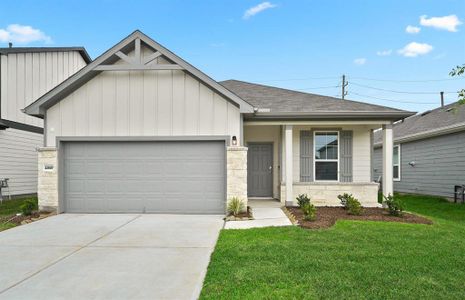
(442, 99)
(344, 84)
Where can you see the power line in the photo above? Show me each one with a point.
(318, 87)
(397, 80)
(299, 79)
(392, 100)
(398, 92)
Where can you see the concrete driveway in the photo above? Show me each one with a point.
(76, 256)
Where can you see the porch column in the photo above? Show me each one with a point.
(388, 146)
(289, 169)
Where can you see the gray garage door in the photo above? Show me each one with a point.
(134, 177)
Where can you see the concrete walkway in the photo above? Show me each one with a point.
(73, 256)
(265, 212)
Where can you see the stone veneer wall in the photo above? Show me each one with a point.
(47, 190)
(236, 169)
(325, 194)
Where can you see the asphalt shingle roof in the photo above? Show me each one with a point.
(280, 100)
(442, 117)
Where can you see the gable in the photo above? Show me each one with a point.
(142, 103)
(137, 52)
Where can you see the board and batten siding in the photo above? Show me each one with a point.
(142, 103)
(439, 165)
(27, 76)
(18, 160)
(361, 156)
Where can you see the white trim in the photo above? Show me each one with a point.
(398, 163)
(326, 160)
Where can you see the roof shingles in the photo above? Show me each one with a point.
(280, 100)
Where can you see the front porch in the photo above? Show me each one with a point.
(322, 159)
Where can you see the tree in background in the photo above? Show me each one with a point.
(459, 71)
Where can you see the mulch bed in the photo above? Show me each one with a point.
(20, 220)
(327, 217)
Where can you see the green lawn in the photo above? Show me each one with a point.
(352, 260)
(10, 208)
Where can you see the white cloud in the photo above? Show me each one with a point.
(257, 9)
(384, 52)
(412, 29)
(448, 23)
(23, 34)
(414, 49)
(360, 61)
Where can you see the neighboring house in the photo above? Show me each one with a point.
(429, 152)
(25, 75)
(141, 130)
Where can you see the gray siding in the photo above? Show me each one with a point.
(27, 76)
(18, 160)
(440, 164)
(142, 103)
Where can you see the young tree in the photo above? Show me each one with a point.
(459, 71)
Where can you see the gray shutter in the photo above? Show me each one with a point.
(306, 156)
(345, 161)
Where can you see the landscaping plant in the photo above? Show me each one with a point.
(235, 206)
(394, 205)
(302, 200)
(343, 198)
(309, 211)
(353, 206)
(28, 207)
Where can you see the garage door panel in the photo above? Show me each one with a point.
(119, 177)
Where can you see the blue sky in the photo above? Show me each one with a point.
(303, 45)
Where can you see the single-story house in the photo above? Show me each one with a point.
(429, 152)
(27, 73)
(141, 130)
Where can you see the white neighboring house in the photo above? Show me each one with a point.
(27, 73)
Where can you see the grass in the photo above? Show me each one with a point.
(10, 208)
(352, 260)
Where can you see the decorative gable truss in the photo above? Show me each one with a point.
(141, 58)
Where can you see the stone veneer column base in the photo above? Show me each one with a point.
(236, 173)
(47, 190)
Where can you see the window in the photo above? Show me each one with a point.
(396, 162)
(326, 151)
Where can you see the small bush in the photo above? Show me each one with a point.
(343, 198)
(303, 200)
(394, 205)
(28, 207)
(353, 206)
(235, 206)
(309, 211)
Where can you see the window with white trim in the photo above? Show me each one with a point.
(326, 153)
(396, 163)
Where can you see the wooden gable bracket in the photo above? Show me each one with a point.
(137, 62)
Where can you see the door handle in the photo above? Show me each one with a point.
(270, 168)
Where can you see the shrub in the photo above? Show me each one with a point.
(343, 198)
(28, 207)
(353, 206)
(394, 205)
(309, 211)
(235, 206)
(303, 200)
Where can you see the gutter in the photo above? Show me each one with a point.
(325, 115)
(427, 134)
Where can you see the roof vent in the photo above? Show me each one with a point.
(10, 45)
(425, 113)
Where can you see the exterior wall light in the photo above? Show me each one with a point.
(234, 140)
(412, 163)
